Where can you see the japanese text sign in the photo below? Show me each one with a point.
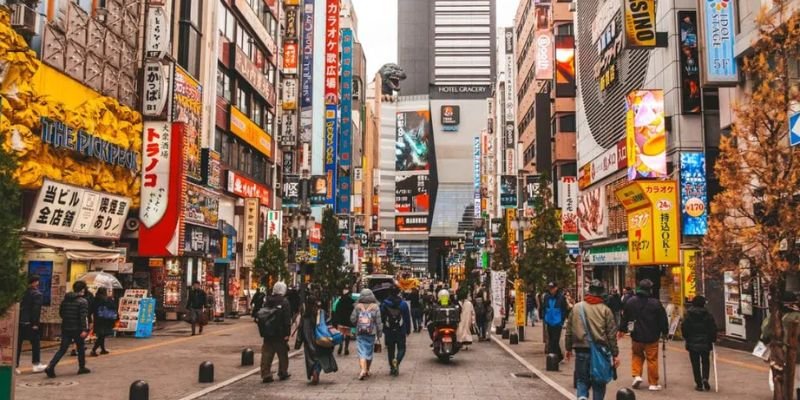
(653, 236)
(332, 51)
(244, 187)
(250, 240)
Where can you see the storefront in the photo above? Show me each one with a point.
(608, 263)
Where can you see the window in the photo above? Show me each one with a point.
(219, 138)
(566, 123)
(272, 25)
(223, 84)
(189, 36)
(225, 148)
(270, 121)
(564, 29)
(242, 101)
(258, 113)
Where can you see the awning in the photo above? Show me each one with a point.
(76, 249)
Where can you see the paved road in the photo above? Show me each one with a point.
(483, 372)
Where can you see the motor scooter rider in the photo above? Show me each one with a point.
(443, 302)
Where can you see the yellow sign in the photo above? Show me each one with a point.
(511, 215)
(640, 237)
(519, 302)
(251, 133)
(653, 235)
(690, 259)
(640, 23)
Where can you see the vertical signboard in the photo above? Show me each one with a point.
(250, 239)
(689, 63)
(543, 61)
(476, 175)
(331, 139)
(275, 224)
(718, 30)
(640, 23)
(290, 54)
(568, 200)
(291, 191)
(694, 200)
(646, 134)
(188, 108)
(307, 74)
(565, 66)
(332, 52)
(343, 178)
(508, 191)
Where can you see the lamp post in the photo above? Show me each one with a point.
(302, 223)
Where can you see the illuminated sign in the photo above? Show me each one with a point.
(565, 66)
(646, 134)
(694, 200)
(653, 236)
(640, 23)
(718, 28)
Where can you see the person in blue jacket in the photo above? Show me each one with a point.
(396, 317)
(554, 310)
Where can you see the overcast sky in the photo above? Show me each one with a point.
(377, 28)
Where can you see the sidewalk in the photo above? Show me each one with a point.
(741, 375)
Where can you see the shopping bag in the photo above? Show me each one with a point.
(322, 334)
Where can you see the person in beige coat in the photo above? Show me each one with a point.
(464, 331)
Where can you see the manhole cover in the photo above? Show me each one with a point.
(523, 375)
(49, 384)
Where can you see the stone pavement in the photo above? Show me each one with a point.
(483, 372)
(741, 375)
(168, 361)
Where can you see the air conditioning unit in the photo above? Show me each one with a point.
(24, 19)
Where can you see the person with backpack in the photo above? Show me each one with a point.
(274, 325)
(104, 311)
(342, 310)
(396, 316)
(74, 312)
(481, 308)
(367, 319)
(553, 312)
(649, 323)
(700, 332)
(591, 324)
(258, 301)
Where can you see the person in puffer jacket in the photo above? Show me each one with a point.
(74, 312)
(700, 332)
(649, 320)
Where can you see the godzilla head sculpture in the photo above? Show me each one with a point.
(391, 75)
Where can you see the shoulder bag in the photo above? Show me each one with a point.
(601, 367)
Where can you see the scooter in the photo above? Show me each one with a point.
(445, 342)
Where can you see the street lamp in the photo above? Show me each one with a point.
(301, 223)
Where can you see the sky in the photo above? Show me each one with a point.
(377, 28)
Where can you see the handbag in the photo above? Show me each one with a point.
(378, 347)
(601, 368)
(322, 333)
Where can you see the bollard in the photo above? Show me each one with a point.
(513, 338)
(506, 333)
(552, 362)
(248, 358)
(626, 394)
(140, 390)
(206, 374)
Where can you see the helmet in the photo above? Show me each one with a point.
(444, 297)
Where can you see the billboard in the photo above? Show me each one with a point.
(187, 106)
(417, 223)
(640, 23)
(290, 53)
(694, 200)
(652, 219)
(565, 65)
(544, 54)
(592, 214)
(646, 134)
(689, 62)
(331, 52)
(307, 75)
(413, 145)
(718, 30)
(331, 139)
(508, 191)
(411, 194)
(344, 187)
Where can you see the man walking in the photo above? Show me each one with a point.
(593, 314)
(649, 323)
(396, 318)
(30, 309)
(480, 302)
(274, 325)
(614, 302)
(74, 312)
(553, 311)
(416, 309)
(195, 306)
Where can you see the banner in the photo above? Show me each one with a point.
(332, 52)
(543, 60)
(413, 145)
(646, 134)
(694, 201)
(568, 201)
(640, 23)
(592, 214)
(344, 187)
(565, 66)
(307, 75)
(201, 206)
(689, 62)
(652, 217)
(498, 285)
(331, 139)
(250, 238)
(275, 224)
(718, 30)
(318, 191)
(508, 191)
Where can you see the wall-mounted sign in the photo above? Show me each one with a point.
(288, 137)
(344, 188)
(451, 118)
(612, 160)
(565, 66)
(212, 169)
(509, 40)
(244, 187)
(250, 238)
(694, 200)
(652, 221)
(68, 210)
(251, 73)
(157, 35)
(418, 223)
(640, 23)
(290, 58)
(202, 206)
(59, 135)
(592, 214)
(251, 133)
(332, 52)
(609, 255)
(275, 224)
(609, 47)
(544, 54)
(291, 22)
(188, 108)
(568, 201)
(156, 86)
(331, 140)
(288, 161)
(689, 62)
(307, 75)
(476, 176)
(646, 134)
(411, 194)
(201, 240)
(289, 95)
(508, 191)
(461, 91)
(290, 193)
(318, 190)
(718, 28)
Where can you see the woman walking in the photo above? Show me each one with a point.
(341, 318)
(700, 333)
(367, 319)
(464, 332)
(104, 312)
(317, 358)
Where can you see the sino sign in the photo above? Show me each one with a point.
(652, 217)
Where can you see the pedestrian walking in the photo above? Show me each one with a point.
(415, 303)
(30, 311)
(614, 302)
(700, 333)
(318, 359)
(74, 312)
(195, 307)
(396, 316)
(341, 318)
(275, 325)
(627, 294)
(530, 307)
(104, 314)
(258, 301)
(554, 311)
(646, 320)
(464, 332)
(481, 307)
(367, 319)
(591, 322)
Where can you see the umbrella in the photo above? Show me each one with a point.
(99, 279)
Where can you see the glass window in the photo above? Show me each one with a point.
(225, 148)
(258, 113)
(272, 25)
(233, 153)
(230, 25)
(566, 123)
(270, 121)
(223, 84)
(222, 14)
(218, 139)
(242, 101)
(189, 48)
(564, 29)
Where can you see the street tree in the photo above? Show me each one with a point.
(329, 274)
(501, 258)
(12, 280)
(270, 262)
(545, 257)
(755, 216)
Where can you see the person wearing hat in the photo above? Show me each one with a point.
(648, 320)
(593, 313)
(700, 334)
(554, 310)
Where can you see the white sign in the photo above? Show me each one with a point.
(609, 256)
(157, 86)
(544, 55)
(358, 174)
(155, 172)
(74, 211)
(289, 95)
(156, 42)
(288, 137)
(250, 240)
(510, 88)
(275, 224)
(498, 292)
(568, 200)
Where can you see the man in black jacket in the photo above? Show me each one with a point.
(275, 324)
(195, 306)
(649, 320)
(699, 333)
(30, 309)
(74, 312)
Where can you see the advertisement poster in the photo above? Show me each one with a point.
(565, 66)
(344, 187)
(498, 285)
(413, 146)
(202, 206)
(652, 219)
(592, 214)
(411, 194)
(568, 201)
(718, 30)
(290, 58)
(331, 145)
(318, 192)
(646, 134)
(689, 62)
(188, 108)
(640, 23)
(418, 223)
(508, 191)
(331, 52)
(694, 200)
(44, 270)
(212, 169)
(250, 238)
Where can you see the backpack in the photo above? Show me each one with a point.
(269, 323)
(365, 324)
(106, 313)
(552, 315)
(394, 318)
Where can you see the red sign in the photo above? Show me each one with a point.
(316, 234)
(332, 52)
(161, 238)
(246, 188)
(289, 58)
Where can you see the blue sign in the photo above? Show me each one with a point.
(330, 152)
(146, 317)
(307, 74)
(719, 29)
(44, 269)
(694, 200)
(794, 126)
(344, 187)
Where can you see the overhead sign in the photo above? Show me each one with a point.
(418, 223)
(68, 210)
(646, 134)
(252, 134)
(246, 188)
(332, 52)
(653, 235)
(718, 28)
(694, 200)
(640, 23)
(156, 39)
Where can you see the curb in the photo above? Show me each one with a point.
(566, 393)
(231, 381)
